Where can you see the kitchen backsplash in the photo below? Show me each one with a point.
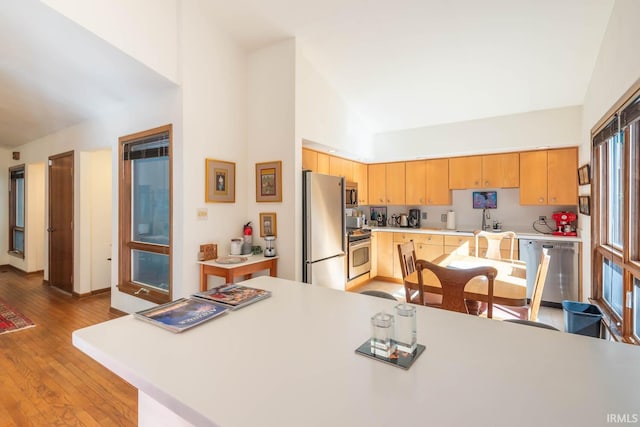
(510, 213)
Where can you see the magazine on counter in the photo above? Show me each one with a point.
(233, 295)
(181, 314)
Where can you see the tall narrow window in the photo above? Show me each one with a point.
(16, 211)
(616, 190)
(145, 214)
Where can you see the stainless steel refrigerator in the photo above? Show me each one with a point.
(323, 231)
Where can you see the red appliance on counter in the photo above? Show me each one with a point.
(564, 224)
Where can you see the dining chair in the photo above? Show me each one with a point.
(493, 243)
(413, 293)
(454, 280)
(529, 312)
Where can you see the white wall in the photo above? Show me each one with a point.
(214, 101)
(35, 218)
(271, 137)
(554, 128)
(5, 155)
(145, 30)
(616, 70)
(101, 217)
(323, 116)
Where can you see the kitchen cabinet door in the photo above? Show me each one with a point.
(415, 183)
(501, 170)
(437, 190)
(323, 163)
(465, 172)
(562, 184)
(377, 184)
(360, 175)
(533, 178)
(341, 167)
(395, 184)
(428, 252)
(309, 160)
(385, 255)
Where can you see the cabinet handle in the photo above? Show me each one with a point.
(486, 183)
(541, 199)
(553, 199)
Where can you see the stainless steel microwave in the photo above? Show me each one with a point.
(351, 194)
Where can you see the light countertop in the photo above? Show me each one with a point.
(290, 360)
(522, 234)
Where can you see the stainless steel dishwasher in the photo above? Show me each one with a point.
(563, 277)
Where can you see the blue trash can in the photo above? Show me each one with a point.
(581, 318)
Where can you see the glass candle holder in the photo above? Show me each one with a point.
(405, 328)
(382, 343)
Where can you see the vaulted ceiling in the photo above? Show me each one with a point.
(401, 64)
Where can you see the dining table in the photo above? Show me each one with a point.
(509, 286)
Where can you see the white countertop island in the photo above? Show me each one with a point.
(289, 360)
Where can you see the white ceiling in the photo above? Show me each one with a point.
(412, 63)
(401, 64)
(54, 74)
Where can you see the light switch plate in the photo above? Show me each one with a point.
(202, 214)
(424, 215)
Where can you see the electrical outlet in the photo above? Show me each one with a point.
(542, 218)
(443, 217)
(424, 215)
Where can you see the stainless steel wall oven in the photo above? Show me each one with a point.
(359, 254)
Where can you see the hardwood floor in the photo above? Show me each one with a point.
(44, 379)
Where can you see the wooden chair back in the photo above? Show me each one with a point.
(538, 287)
(407, 253)
(493, 243)
(453, 282)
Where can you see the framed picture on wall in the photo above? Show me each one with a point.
(584, 175)
(584, 205)
(220, 185)
(269, 182)
(268, 224)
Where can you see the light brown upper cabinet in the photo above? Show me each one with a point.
(341, 167)
(309, 160)
(395, 183)
(437, 172)
(427, 183)
(465, 172)
(562, 175)
(489, 171)
(549, 177)
(360, 175)
(377, 183)
(415, 182)
(323, 163)
(386, 183)
(501, 170)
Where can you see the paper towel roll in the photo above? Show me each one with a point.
(451, 220)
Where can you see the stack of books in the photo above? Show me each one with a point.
(185, 313)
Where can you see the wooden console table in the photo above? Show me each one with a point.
(231, 271)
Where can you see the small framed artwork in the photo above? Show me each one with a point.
(584, 175)
(220, 186)
(584, 205)
(268, 224)
(269, 182)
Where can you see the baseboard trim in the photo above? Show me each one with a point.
(91, 293)
(21, 272)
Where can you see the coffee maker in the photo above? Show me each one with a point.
(414, 218)
(564, 222)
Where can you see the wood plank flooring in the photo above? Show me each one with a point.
(44, 379)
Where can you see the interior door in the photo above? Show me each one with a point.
(61, 221)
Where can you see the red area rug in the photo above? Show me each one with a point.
(11, 320)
